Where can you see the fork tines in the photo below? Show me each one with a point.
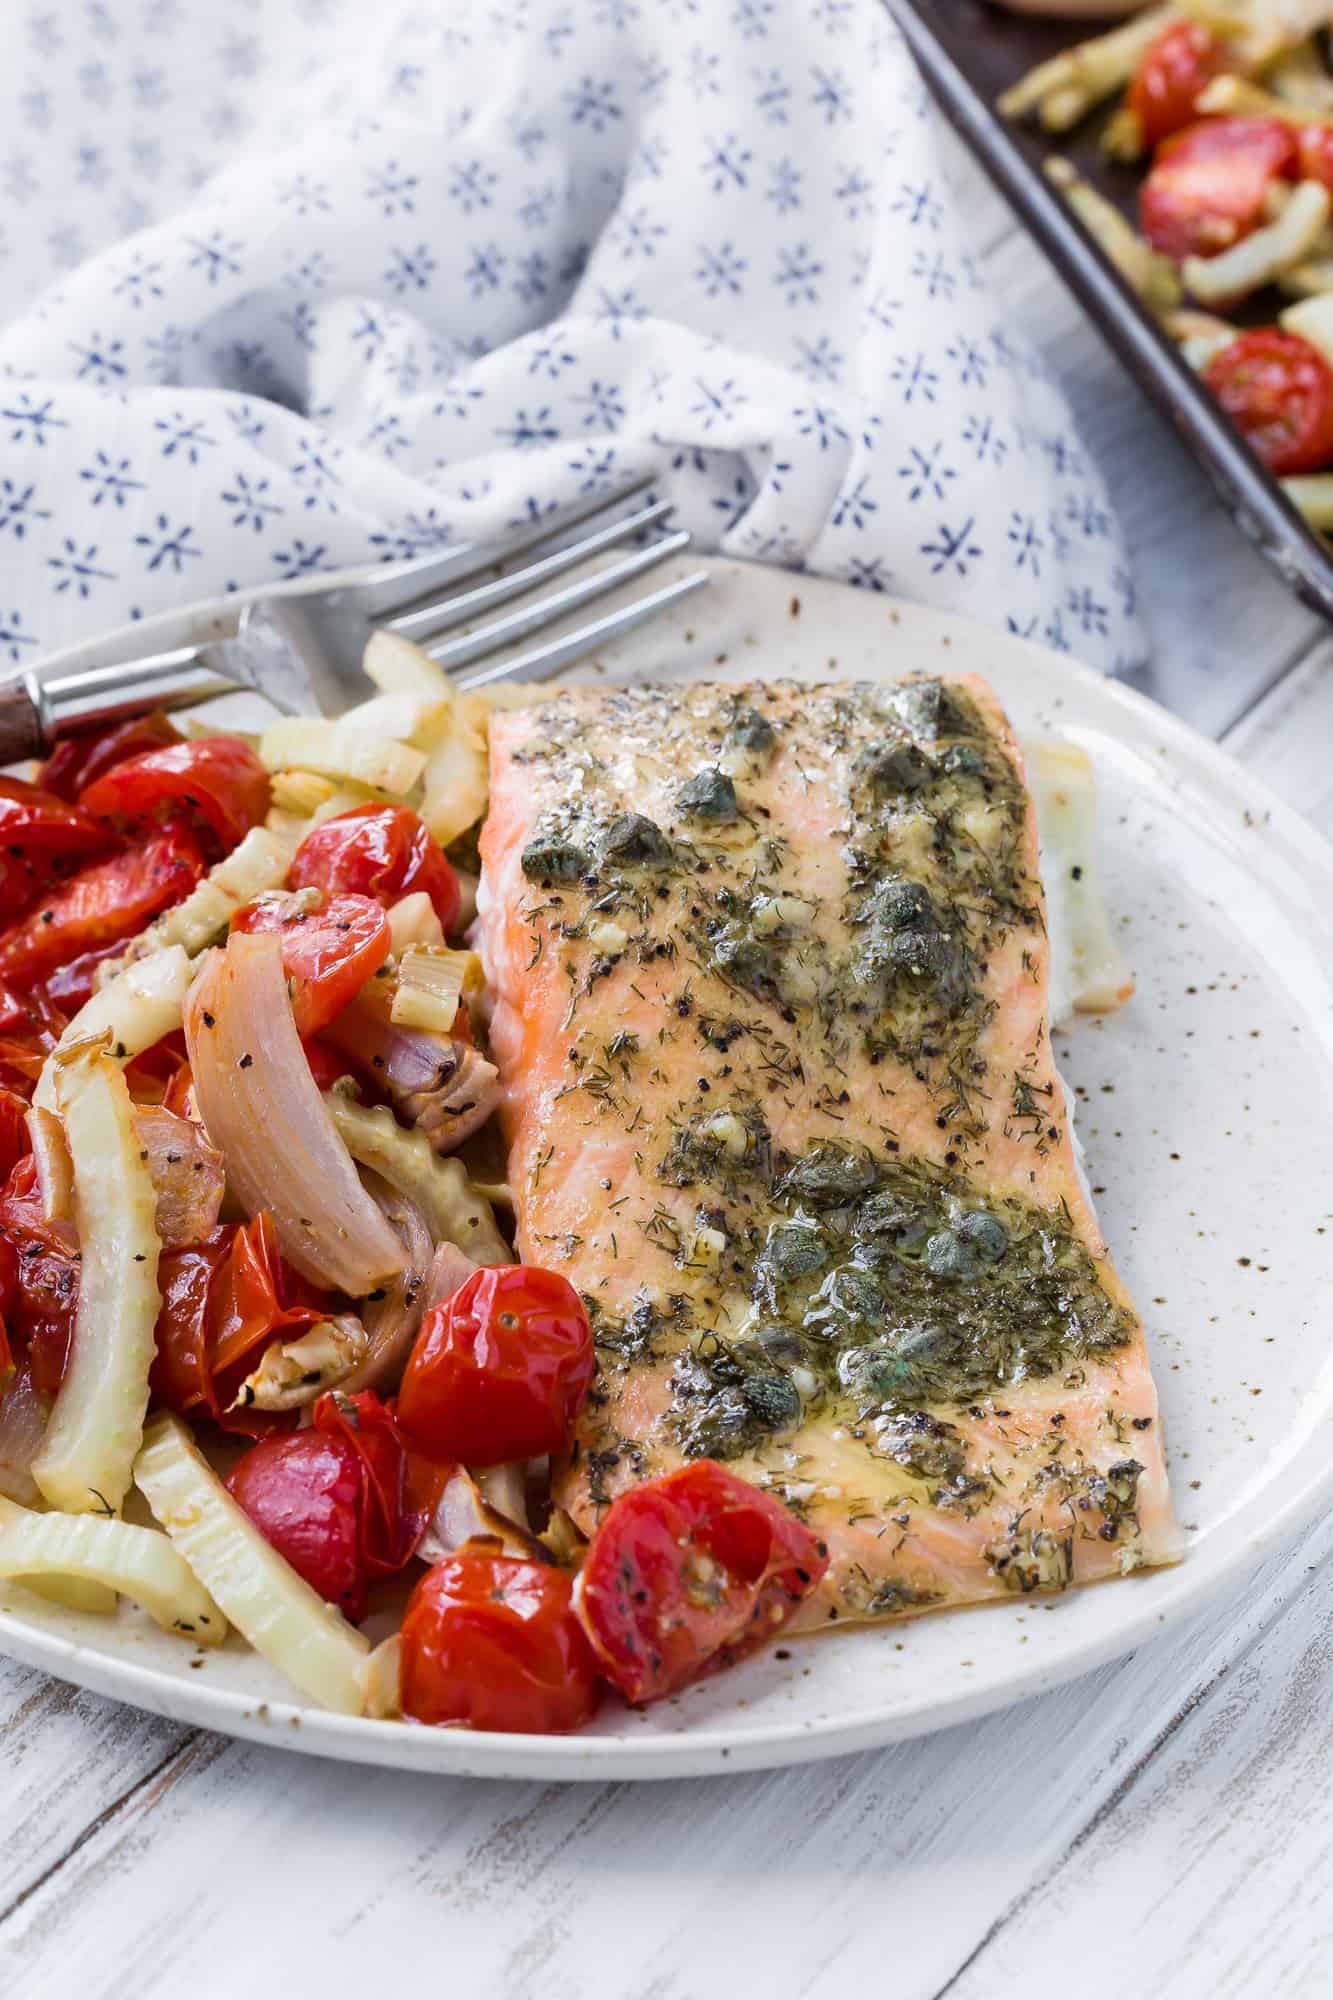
(427, 617)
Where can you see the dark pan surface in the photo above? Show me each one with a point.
(970, 53)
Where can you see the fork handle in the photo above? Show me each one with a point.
(21, 733)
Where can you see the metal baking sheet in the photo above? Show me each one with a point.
(970, 53)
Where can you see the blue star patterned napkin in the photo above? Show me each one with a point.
(299, 283)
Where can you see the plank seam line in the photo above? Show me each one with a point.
(1281, 673)
(1119, 1792)
(95, 1826)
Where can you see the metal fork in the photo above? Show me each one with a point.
(302, 650)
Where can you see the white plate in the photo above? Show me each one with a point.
(1207, 1120)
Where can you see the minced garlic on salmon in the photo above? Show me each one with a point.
(770, 976)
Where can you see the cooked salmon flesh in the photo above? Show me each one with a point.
(769, 971)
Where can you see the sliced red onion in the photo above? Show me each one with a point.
(443, 1088)
(263, 1108)
(187, 1172)
(391, 1321)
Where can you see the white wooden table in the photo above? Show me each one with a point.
(1162, 1827)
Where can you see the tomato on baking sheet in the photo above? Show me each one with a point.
(1172, 71)
(108, 902)
(689, 1573)
(78, 760)
(492, 1642)
(500, 1370)
(1278, 389)
(328, 954)
(1207, 184)
(380, 851)
(220, 779)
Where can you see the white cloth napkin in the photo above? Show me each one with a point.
(348, 279)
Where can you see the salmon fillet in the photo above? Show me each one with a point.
(769, 974)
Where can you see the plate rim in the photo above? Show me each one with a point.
(1165, 1596)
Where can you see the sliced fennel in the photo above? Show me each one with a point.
(260, 862)
(396, 666)
(135, 1009)
(456, 781)
(412, 920)
(85, 1561)
(432, 984)
(276, 1610)
(452, 1209)
(338, 750)
(86, 1460)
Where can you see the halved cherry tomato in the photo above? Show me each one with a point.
(78, 760)
(45, 1277)
(6, 1358)
(334, 1500)
(493, 1642)
(1278, 389)
(500, 1370)
(42, 841)
(327, 955)
(219, 778)
(178, 1096)
(687, 1574)
(1172, 71)
(1207, 184)
(380, 851)
(107, 902)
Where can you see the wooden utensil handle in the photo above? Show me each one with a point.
(20, 725)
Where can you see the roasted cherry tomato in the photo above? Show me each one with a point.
(379, 851)
(1278, 389)
(327, 955)
(45, 1283)
(13, 1132)
(303, 1492)
(42, 841)
(500, 1370)
(1172, 71)
(79, 760)
(494, 1643)
(1207, 184)
(334, 1500)
(689, 1573)
(326, 1065)
(224, 1299)
(107, 902)
(68, 985)
(219, 778)
(6, 1358)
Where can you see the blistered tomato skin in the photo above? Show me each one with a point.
(303, 1493)
(491, 1643)
(688, 1574)
(500, 1370)
(220, 779)
(380, 851)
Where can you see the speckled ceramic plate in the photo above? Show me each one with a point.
(1209, 1130)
